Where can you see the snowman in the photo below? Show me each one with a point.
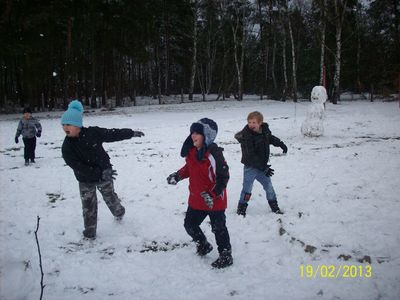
(313, 124)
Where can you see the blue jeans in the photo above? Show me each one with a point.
(249, 175)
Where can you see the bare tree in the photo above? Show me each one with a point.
(294, 66)
(211, 52)
(340, 11)
(323, 17)
(194, 50)
(237, 26)
(284, 66)
(166, 46)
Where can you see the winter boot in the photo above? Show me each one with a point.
(32, 160)
(275, 208)
(120, 214)
(89, 233)
(26, 162)
(203, 249)
(224, 260)
(241, 210)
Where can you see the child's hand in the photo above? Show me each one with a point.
(16, 140)
(108, 175)
(138, 134)
(38, 134)
(284, 147)
(173, 178)
(208, 199)
(269, 172)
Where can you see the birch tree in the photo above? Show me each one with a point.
(323, 17)
(194, 50)
(340, 11)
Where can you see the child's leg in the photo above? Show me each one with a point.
(192, 222)
(267, 185)
(106, 189)
(249, 175)
(218, 226)
(32, 150)
(89, 208)
(222, 237)
(26, 148)
(269, 190)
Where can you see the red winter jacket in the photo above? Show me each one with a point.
(211, 175)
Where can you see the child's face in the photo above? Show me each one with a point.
(71, 130)
(198, 140)
(27, 115)
(254, 124)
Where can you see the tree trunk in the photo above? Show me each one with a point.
(211, 55)
(235, 27)
(294, 76)
(340, 9)
(273, 63)
(242, 62)
(323, 36)
(166, 53)
(285, 87)
(194, 53)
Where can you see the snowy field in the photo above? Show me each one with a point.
(340, 194)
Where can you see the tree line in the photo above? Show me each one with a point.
(55, 50)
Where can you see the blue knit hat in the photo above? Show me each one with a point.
(73, 115)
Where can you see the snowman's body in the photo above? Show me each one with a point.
(313, 124)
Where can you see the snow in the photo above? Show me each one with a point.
(339, 192)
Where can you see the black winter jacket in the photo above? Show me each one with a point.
(255, 146)
(85, 154)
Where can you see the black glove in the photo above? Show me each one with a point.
(268, 171)
(108, 175)
(284, 147)
(138, 134)
(208, 199)
(38, 134)
(173, 178)
(16, 140)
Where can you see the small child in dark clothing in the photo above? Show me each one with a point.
(29, 128)
(208, 176)
(83, 151)
(254, 140)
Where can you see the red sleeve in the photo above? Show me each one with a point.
(183, 172)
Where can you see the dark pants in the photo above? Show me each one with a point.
(89, 201)
(30, 146)
(192, 223)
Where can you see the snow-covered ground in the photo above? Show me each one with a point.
(340, 194)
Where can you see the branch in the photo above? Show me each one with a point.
(40, 259)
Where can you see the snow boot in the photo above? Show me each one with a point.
(241, 209)
(32, 160)
(89, 233)
(203, 249)
(224, 260)
(26, 162)
(275, 208)
(120, 214)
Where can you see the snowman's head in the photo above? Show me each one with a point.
(318, 94)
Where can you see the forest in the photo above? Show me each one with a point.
(53, 51)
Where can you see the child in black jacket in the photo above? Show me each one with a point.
(254, 140)
(83, 151)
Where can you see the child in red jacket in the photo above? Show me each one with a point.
(208, 176)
